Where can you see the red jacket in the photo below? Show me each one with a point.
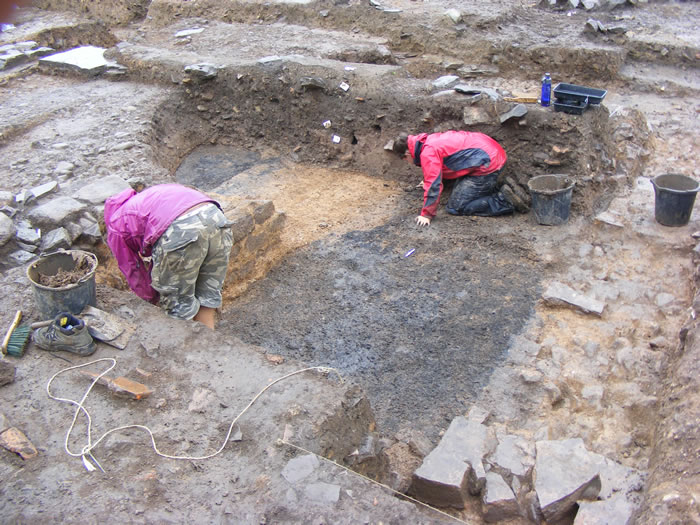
(451, 155)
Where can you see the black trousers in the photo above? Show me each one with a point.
(478, 196)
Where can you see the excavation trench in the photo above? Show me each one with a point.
(335, 286)
(420, 333)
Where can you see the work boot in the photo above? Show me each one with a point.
(511, 196)
(67, 333)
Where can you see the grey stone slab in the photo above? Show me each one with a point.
(44, 189)
(558, 294)
(518, 111)
(203, 71)
(441, 480)
(445, 81)
(12, 58)
(56, 211)
(26, 233)
(564, 474)
(470, 89)
(7, 229)
(56, 239)
(456, 463)
(99, 192)
(498, 501)
(300, 467)
(189, 32)
(514, 454)
(613, 511)
(85, 59)
(20, 257)
(322, 492)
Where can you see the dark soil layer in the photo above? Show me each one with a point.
(421, 334)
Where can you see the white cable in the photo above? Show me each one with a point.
(89, 447)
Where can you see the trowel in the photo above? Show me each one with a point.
(107, 327)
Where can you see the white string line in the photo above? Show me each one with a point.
(396, 492)
(90, 446)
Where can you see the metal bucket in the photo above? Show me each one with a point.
(71, 297)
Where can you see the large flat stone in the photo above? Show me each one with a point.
(455, 466)
(564, 473)
(56, 212)
(85, 59)
(98, 192)
(558, 294)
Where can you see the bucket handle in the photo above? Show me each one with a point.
(64, 252)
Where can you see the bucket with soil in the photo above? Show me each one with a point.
(64, 281)
(674, 198)
(551, 198)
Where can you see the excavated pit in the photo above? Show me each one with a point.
(421, 334)
(327, 279)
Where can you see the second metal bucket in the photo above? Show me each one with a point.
(68, 298)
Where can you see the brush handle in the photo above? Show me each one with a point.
(15, 323)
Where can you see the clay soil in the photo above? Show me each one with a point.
(428, 323)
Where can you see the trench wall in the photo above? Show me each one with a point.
(256, 241)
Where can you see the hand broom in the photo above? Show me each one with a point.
(16, 338)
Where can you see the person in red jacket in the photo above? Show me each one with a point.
(474, 159)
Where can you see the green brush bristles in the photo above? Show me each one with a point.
(18, 340)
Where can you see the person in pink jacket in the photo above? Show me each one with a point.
(172, 243)
(474, 159)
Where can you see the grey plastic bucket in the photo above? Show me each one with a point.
(674, 197)
(69, 298)
(551, 198)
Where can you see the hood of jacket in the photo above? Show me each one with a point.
(117, 201)
(412, 141)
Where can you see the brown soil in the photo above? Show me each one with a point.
(62, 278)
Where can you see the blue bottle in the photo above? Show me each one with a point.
(546, 96)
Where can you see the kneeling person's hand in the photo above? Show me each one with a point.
(422, 221)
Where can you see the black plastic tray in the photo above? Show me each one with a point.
(572, 93)
(572, 107)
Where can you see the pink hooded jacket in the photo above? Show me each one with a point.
(135, 221)
(451, 155)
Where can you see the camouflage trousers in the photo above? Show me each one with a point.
(190, 261)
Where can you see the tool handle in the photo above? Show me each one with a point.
(15, 323)
(41, 324)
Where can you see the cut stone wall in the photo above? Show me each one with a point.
(256, 229)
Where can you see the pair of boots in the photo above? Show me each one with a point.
(67, 333)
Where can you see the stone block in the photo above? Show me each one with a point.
(617, 509)
(56, 212)
(56, 239)
(322, 492)
(514, 455)
(242, 226)
(7, 229)
(564, 474)
(262, 211)
(89, 60)
(300, 467)
(276, 224)
(99, 192)
(498, 501)
(441, 480)
(558, 294)
(15, 441)
(255, 243)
